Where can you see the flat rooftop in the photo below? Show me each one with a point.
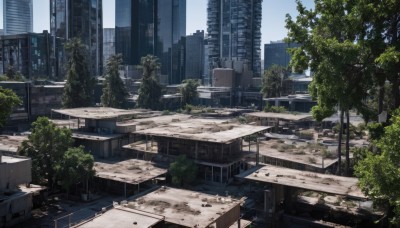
(185, 208)
(131, 171)
(122, 217)
(281, 116)
(297, 152)
(150, 122)
(10, 143)
(207, 130)
(99, 112)
(346, 186)
(94, 136)
(13, 159)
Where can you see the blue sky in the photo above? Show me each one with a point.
(273, 20)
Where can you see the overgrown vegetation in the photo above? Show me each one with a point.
(8, 101)
(183, 171)
(150, 89)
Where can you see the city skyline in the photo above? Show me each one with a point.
(273, 11)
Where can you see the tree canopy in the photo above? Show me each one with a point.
(76, 165)
(183, 171)
(78, 90)
(8, 101)
(380, 173)
(188, 91)
(273, 80)
(150, 89)
(46, 146)
(115, 93)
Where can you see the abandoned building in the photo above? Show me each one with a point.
(282, 122)
(96, 128)
(10, 144)
(15, 198)
(216, 145)
(128, 177)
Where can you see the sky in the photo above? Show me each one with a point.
(272, 28)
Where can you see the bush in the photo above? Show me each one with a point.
(275, 109)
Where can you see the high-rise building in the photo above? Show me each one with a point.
(82, 19)
(108, 44)
(276, 53)
(155, 27)
(234, 33)
(17, 16)
(29, 54)
(195, 55)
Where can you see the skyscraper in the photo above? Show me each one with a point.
(155, 27)
(234, 33)
(108, 44)
(276, 53)
(17, 16)
(195, 55)
(82, 19)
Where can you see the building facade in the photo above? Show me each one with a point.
(29, 54)
(276, 53)
(108, 44)
(82, 19)
(17, 16)
(234, 33)
(153, 27)
(195, 55)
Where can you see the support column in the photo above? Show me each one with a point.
(125, 189)
(258, 152)
(167, 146)
(196, 150)
(221, 173)
(146, 144)
(212, 173)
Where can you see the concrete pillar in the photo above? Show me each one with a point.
(196, 150)
(258, 152)
(221, 173)
(125, 189)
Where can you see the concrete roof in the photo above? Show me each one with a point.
(122, 217)
(207, 130)
(94, 136)
(346, 186)
(10, 143)
(183, 207)
(98, 112)
(282, 116)
(150, 122)
(13, 159)
(131, 171)
(300, 154)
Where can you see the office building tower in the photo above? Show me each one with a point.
(17, 16)
(276, 53)
(195, 55)
(152, 27)
(28, 54)
(81, 19)
(108, 44)
(234, 34)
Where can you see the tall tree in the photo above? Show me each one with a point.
(183, 171)
(380, 173)
(78, 90)
(114, 89)
(8, 101)
(75, 166)
(330, 49)
(150, 88)
(46, 146)
(188, 91)
(273, 80)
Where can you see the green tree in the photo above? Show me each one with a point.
(150, 88)
(75, 166)
(273, 80)
(115, 93)
(46, 146)
(380, 173)
(79, 87)
(188, 91)
(8, 101)
(331, 49)
(183, 171)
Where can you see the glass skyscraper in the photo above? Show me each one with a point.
(17, 16)
(276, 52)
(234, 32)
(82, 19)
(155, 27)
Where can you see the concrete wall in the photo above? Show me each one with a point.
(223, 77)
(14, 174)
(16, 209)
